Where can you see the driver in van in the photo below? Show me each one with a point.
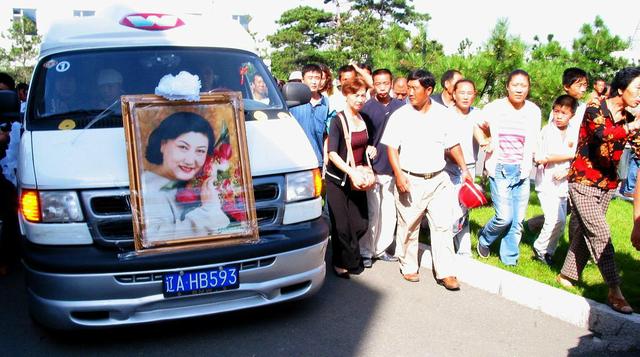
(208, 79)
(259, 89)
(109, 88)
(64, 88)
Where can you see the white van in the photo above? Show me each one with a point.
(73, 179)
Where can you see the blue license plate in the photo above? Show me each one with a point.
(201, 281)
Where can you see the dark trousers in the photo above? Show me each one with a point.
(9, 218)
(348, 214)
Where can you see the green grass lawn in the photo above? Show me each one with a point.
(591, 285)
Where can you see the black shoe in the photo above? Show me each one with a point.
(386, 257)
(483, 251)
(545, 258)
(356, 271)
(367, 262)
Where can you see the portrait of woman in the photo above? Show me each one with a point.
(177, 150)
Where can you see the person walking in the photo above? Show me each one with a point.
(447, 81)
(556, 149)
(574, 84)
(347, 204)
(466, 118)
(513, 124)
(417, 138)
(380, 199)
(313, 116)
(399, 90)
(593, 179)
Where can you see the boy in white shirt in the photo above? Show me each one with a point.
(556, 148)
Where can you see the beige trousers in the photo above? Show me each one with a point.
(435, 198)
(381, 203)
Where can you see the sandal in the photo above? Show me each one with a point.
(619, 304)
(564, 281)
(341, 272)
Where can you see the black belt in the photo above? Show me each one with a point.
(424, 176)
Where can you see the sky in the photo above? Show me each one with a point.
(453, 21)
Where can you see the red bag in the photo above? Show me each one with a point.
(471, 195)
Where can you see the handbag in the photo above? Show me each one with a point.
(364, 170)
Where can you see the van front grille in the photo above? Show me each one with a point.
(109, 211)
(265, 192)
(110, 205)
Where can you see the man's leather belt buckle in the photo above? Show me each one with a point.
(424, 176)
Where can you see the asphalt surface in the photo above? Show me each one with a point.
(374, 314)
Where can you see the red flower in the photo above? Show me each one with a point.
(187, 195)
(234, 212)
(223, 152)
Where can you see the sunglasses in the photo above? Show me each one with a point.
(5, 127)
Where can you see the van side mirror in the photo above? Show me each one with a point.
(296, 94)
(9, 106)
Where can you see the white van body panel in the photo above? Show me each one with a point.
(26, 171)
(77, 159)
(277, 146)
(103, 32)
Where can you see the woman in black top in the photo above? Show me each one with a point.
(348, 207)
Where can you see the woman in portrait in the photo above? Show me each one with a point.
(178, 148)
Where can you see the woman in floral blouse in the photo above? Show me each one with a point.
(593, 178)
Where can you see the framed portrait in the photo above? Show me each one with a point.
(189, 172)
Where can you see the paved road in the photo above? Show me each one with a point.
(374, 314)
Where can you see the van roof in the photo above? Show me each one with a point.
(122, 26)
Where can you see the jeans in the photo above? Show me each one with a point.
(629, 184)
(510, 196)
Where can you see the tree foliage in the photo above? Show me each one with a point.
(391, 11)
(304, 32)
(24, 49)
(592, 50)
(377, 32)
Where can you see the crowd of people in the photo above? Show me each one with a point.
(423, 146)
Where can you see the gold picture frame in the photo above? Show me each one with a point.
(189, 172)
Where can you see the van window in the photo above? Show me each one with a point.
(83, 85)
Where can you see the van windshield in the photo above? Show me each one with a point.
(83, 85)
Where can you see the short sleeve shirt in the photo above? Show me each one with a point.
(421, 137)
(463, 128)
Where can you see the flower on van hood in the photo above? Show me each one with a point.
(184, 86)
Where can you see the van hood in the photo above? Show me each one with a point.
(97, 158)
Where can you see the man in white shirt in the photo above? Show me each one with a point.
(417, 137)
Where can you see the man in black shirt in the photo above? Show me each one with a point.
(380, 199)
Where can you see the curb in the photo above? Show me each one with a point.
(618, 332)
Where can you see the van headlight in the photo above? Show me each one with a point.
(60, 207)
(303, 185)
